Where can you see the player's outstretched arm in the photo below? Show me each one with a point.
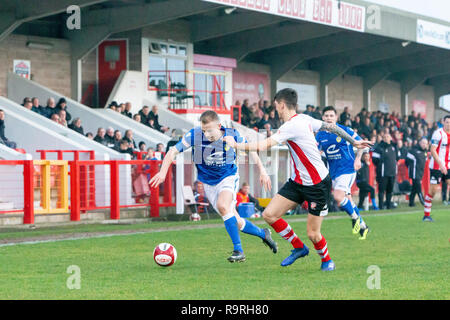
(251, 146)
(167, 161)
(333, 128)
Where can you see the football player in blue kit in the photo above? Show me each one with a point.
(343, 165)
(217, 169)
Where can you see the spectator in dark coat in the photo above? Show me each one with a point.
(144, 113)
(124, 147)
(3, 139)
(176, 136)
(109, 136)
(29, 105)
(50, 109)
(100, 137)
(366, 128)
(344, 116)
(316, 114)
(62, 105)
(128, 136)
(154, 116)
(37, 106)
(246, 113)
(309, 110)
(274, 122)
(127, 111)
(76, 126)
(264, 124)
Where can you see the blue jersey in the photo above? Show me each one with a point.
(214, 160)
(339, 152)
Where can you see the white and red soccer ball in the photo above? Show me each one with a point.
(165, 254)
(195, 217)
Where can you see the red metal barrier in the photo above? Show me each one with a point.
(141, 171)
(86, 174)
(28, 188)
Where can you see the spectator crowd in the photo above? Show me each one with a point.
(122, 142)
(402, 135)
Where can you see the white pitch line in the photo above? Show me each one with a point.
(98, 236)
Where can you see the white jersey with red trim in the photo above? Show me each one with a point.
(307, 166)
(441, 140)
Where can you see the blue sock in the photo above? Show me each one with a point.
(346, 205)
(374, 203)
(355, 208)
(250, 228)
(231, 226)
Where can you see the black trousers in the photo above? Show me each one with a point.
(416, 190)
(444, 190)
(385, 185)
(364, 190)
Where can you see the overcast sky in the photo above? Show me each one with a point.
(439, 9)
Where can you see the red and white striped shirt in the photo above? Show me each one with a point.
(307, 166)
(441, 140)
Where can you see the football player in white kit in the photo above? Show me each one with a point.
(439, 164)
(310, 180)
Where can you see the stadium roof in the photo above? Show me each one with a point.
(386, 51)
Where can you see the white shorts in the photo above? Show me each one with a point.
(230, 183)
(344, 182)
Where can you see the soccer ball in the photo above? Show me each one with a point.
(255, 215)
(195, 217)
(165, 254)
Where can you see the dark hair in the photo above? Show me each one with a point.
(447, 117)
(141, 143)
(329, 108)
(288, 96)
(209, 116)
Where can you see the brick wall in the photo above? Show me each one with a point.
(50, 68)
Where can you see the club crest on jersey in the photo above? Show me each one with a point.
(216, 159)
(338, 139)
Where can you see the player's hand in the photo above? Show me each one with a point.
(157, 180)
(230, 141)
(443, 169)
(362, 144)
(357, 164)
(265, 181)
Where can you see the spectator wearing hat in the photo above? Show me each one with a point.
(62, 105)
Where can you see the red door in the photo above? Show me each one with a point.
(112, 59)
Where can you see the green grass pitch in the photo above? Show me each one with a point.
(413, 258)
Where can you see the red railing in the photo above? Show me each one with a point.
(25, 188)
(87, 174)
(142, 170)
